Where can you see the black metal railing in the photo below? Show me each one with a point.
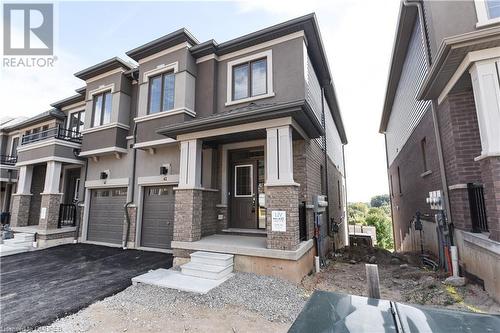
(57, 132)
(8, 159)
(67, 215)
(477, 208)
(302, 221)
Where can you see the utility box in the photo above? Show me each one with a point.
(320, 203)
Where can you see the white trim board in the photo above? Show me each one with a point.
(154, 143)
(254, 47)
(100, 89)
(160, 69)
(108, 73)
(183, 45)
(50, 158)
(105, 183)
(165, 113)
(48, 142)
(104, 151)
(104, 127)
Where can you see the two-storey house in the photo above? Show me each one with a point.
(441, 122)
(207, 146)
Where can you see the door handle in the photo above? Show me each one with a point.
(253, 204)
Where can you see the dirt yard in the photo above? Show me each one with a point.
(401, 280)
(251, 303)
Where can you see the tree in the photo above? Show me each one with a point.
(378, 218)
(357, 212)
(380, 200)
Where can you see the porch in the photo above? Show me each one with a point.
(252, 255)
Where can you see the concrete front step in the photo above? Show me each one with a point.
(18, 242)
(211, 258)
(21, 236)
(210, 272)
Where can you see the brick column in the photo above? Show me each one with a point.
(49, 213)
(283, 198)
(188, 214)
(51, 197)
(20, 210)
(490, 174)
(22, 199)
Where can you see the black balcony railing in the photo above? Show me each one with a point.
(8, 159)
(67, 215)
(57, 132)
(477, 208)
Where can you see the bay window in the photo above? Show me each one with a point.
(102, 109)
(161, 92)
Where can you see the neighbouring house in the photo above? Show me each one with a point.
(441, 121)
(197, 146)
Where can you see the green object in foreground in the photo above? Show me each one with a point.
(339, 313)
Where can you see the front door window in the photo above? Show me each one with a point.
(243, 182)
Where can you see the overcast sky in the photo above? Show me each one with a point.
(358, 36)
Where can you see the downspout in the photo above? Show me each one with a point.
(323, 123)
(78, 223)
(434, 106)
(134, 162)
(346, 241)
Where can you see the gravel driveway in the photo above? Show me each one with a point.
(244, 303)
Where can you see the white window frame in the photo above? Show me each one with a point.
(69, 118)
(236, 195)
(268, 55)
(76, 195)
(482, 14)
(12, 143)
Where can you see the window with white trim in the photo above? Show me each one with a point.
(250, 78)
(161, 92)
(488, 11)
(102, 109)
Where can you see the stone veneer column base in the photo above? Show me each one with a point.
(51, 202)
(283, 198)
(20, 210)
(188, 214)
(490, 175)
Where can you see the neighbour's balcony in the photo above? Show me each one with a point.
(8, 159)
(57, 132)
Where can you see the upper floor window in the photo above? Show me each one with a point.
(488, 12)
(250, 79)
(493, 8)
(161, 92)
(76, 121)
(102, 109)
(13, 149)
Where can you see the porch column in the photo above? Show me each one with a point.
(486, 88)
(51, 197)
(188, 195)
(22, 198)
(282, 193)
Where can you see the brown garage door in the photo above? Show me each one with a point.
(106, 216)
(158, 217)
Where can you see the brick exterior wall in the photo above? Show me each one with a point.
(19, 213)
(461, 143)
(490, 168)
(37, 185)
(209, 223)
(283, 198)
(188, 215)
(51, 203)
(414, 186)
(308, 160)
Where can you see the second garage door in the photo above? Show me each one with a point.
(106, 215)
(158, 217)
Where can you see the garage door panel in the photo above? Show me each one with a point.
(158, 217)
(106, 216)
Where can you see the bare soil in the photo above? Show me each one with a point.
(401, 280)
